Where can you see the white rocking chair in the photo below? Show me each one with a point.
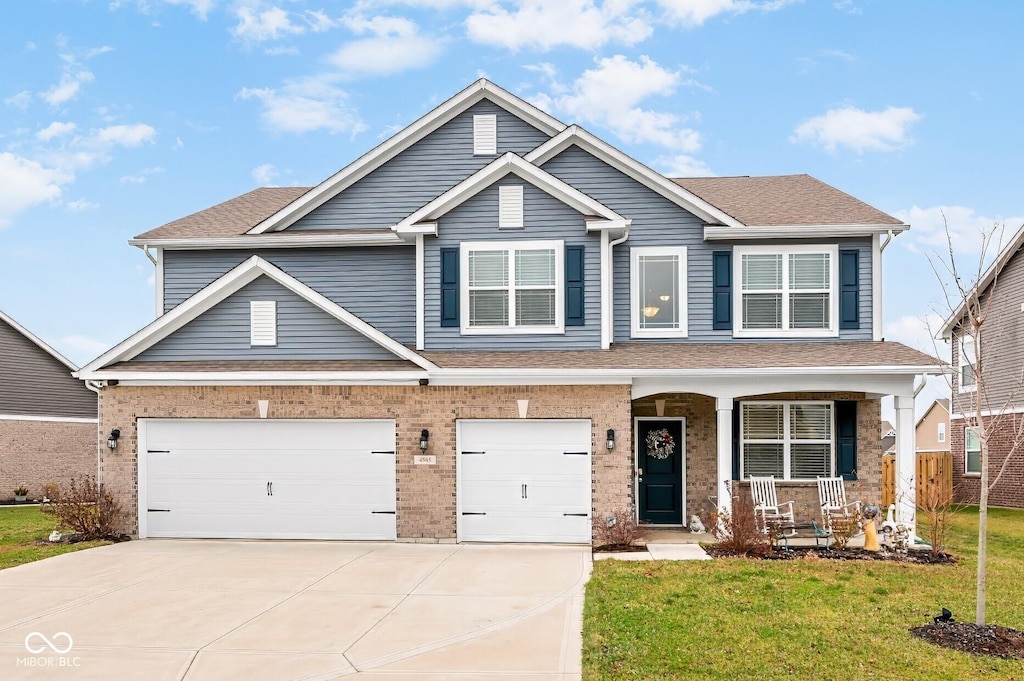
(767, 509)
(832, 495)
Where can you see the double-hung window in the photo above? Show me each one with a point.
(790, 440)
(968, 362)
(972, 452)
(786, 291)
(658, 292)
(513, 287)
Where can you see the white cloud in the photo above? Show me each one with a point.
(265, 174)
(26, 183)
(68, 88)
(693, 13)
(257, 25)
(200, 8)
(395, 46)
(319, 21)
(682, 165)
(141, 177)
(966, 230)
(56, 129)
(847, 7)
(859, 130)
(178, 144)
(538, 24)
(918, 332)
(307, 104)
(588, 100)
(124, 135)
(81, 205)
(20, 100)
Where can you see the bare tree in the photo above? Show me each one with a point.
(969, 304)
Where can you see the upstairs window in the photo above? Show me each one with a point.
(972, 452)
(262, 322)
(787, 291)
(941, 435)
(658, 292)
(790, 440)
(485, 135)
(967, 375)
(513, 287)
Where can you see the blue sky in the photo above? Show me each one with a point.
(118, 116)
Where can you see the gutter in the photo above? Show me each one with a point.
(95, 387)
(607, 276)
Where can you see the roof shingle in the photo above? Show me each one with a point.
(233, 217)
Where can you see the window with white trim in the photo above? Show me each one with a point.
(513, 287)
(790, 440)
(967, 377)
(262, 322)
(485, 135)
(657, 292)
(941, 434)
(786, 291)
(972, 452)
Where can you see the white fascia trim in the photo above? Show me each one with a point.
(38, 341)
(218, 291)
(308, 239)
(716, 232)
(986, 279)
(264, 377)
(373, 159)
(985, 413)
(633, 168)
(53, 419)
(603, 375)
(494, 171)
(608, 225)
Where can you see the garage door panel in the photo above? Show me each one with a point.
(509, 528)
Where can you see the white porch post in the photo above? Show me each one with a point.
(724, 408)
(906, 464)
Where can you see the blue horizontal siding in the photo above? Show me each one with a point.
(304, 331)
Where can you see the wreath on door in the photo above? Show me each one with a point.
(660, 444)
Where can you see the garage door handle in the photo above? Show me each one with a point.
(391, 453)
(468, 453)
(578, 515)
(524, 491)
(159, 510)
(473, 513)
(158, 451)
(383, 512)
(575, 453)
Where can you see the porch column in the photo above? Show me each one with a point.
(724, 408)
(906, 464)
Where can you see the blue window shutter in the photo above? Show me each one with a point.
(846, 439)
(450, 286)
(574, 286)
(722, 289)
(849, 290)
(736, 472)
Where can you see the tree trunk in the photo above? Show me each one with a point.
(979, 614)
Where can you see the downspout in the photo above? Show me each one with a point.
(95, 387)
(607, 286)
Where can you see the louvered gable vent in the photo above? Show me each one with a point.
(485, 135)
(510, 207)
(263, 322)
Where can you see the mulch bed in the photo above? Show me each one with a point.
(810, 553)
(976, 639)
(620, 548)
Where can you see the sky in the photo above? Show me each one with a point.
(117, 116)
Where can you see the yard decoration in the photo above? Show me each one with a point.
(660, 444)
(870, 512)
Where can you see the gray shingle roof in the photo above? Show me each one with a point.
(231, 218)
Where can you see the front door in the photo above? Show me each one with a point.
(660, 470)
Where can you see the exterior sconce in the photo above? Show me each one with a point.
(424, 439)
(112, 439)
(611, 440)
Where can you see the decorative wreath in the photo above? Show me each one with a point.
(660, 444)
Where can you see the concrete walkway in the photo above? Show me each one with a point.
(197, 610)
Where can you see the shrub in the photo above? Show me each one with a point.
(937, 512)
(844, 528)
(617, 528)
(84, 507)
(739, 531)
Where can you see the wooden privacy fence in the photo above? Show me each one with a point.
(934, 475)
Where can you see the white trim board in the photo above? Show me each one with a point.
(243, 274)
(52, 419)
(38, 341)
(310, 239)
(364, 165)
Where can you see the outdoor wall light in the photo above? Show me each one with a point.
(611, 440)
(424, 438)
(112, 439)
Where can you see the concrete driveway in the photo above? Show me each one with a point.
(196, 610)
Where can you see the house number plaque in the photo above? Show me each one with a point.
(424, 460)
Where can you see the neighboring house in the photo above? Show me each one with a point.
(47, 418)
(497, 327)
(888, 437)
(1001, 352)
(932, 432)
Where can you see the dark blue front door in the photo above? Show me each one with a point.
(660, 471)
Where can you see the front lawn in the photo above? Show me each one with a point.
(744, 619)
(21, 527)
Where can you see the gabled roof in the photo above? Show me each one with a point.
(943, 403)
(352, 173)
(38, 341)
(231, 218)
(631, 167)
(245, 273)
(506, 164)
(986, 280)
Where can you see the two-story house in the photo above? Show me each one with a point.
(997, 355)
(497, 327)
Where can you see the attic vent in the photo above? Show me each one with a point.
(510, 207)
(485, 135)
(263, 322)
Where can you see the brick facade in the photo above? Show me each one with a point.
(426, 494)
(34, 453)
(1010, 489)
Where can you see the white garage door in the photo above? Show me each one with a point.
(524, 481)
(301, 479)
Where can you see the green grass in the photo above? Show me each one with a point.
(744, 619)
(21, 527)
